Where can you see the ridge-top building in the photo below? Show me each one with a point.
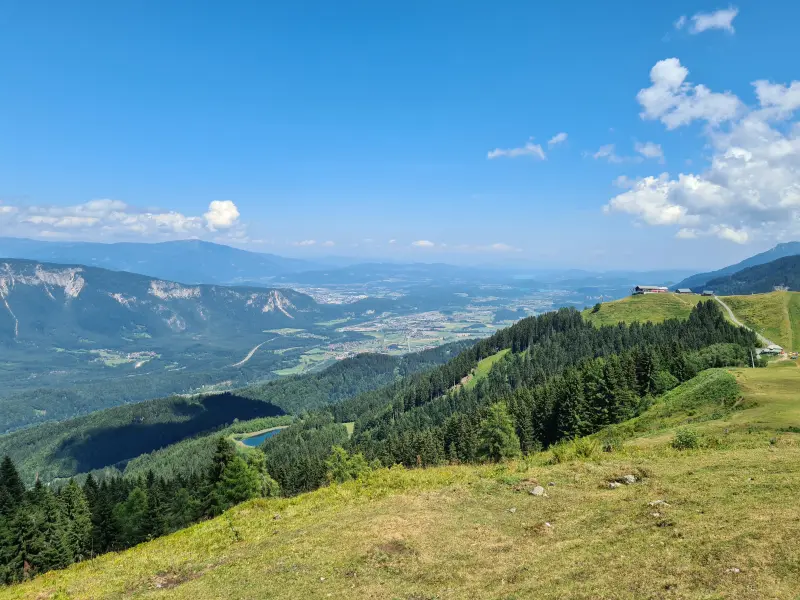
(650, 289)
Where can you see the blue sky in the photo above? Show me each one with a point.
(365, 127)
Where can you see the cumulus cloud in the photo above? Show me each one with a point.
(305, 243)
(558, 138)
(751, 186)
(114, 219)
(676, 102)
(423, 244)
(650, 150)
(529, 149)
(222, 214)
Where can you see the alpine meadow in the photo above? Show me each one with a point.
(399, 301)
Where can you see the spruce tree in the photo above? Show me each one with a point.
(79, 520)
(12, 490)
(498, 440)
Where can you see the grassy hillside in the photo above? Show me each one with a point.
(775, 315)
(728, 527)
(483, 367)
(648, 307)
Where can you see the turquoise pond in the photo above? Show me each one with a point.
(257, 440)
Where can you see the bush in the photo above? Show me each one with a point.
(560, 453)
(664, 381)
(685, 439)
(596, 308)
(586, 448)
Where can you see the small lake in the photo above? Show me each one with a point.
(257, 440)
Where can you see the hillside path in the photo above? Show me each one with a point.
(736, 321)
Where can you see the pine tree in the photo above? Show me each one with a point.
(238, 483)
(56, 552)
(132, 517)
(12, 490)
(498, 440)
(79, 520)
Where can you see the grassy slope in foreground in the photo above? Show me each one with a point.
(776, 316)
(449, 532)
(643, 308)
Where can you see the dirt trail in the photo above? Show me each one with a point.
(766, 342)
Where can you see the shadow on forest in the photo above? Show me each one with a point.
(103, 447)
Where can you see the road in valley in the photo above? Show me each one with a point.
(250, 354)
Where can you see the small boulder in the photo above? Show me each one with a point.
(512, 510)
(658, 503)
(628, 479)
(538, 491)
(551, 484)
(614, 485)
(733, 570)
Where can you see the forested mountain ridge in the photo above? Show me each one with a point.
(113, 436)
(562, 377)
(701, 280)
(760, 279)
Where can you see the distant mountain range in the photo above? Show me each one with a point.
(703, 280)
(62, 303)
(187, 261)
(760, 279)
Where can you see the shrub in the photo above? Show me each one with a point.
(560, 453)
(685, 439)
(586, 448)
(596, 308)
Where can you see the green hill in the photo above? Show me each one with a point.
(647, 307)
(717, 521)
(775, 315)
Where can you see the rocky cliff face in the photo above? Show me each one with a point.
(45, 300)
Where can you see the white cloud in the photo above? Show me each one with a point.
(114, 219)
(751, 186)
(676, 102)
(500, 247)
(222, 214)
(719, 19)
(680, 22)
(392, 241)
(650, 150)
(529, 149)
(423, 244)
(608, 153)
(328, 243)
(558, 138)
(305, 243)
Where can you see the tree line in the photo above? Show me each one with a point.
(43, 528)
